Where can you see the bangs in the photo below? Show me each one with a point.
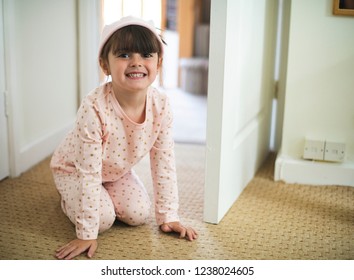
(132, 39)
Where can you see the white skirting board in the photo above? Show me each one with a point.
(299, 171)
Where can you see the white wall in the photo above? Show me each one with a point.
(90, 24)
(41, 72)
(319, 93)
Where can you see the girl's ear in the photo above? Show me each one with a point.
(105, 67)
(159, 63)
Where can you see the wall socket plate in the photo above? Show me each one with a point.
(334, 151)
(324, 150)
(314, 149)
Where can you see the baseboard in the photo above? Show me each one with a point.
(299, 171)
(38, 150)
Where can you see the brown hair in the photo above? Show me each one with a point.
(131, 38)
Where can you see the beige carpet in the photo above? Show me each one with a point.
(270, 220)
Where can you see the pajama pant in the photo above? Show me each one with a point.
(125, 199)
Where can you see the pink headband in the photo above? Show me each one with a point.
(108, 30)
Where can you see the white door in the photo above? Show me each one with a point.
(4, 150)
(240, 92)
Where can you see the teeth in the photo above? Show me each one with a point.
(136, 75)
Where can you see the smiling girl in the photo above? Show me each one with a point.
(117, 124)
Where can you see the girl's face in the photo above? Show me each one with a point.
(132, 72)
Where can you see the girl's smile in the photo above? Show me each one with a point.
(136, 75)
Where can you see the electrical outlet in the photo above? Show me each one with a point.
(334, 151)
(314, 149)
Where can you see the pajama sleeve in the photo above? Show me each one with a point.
(88, 164)
(163, 171)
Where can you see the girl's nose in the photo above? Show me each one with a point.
(135, 60)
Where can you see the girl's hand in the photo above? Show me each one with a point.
(75, 248)
(184, 232)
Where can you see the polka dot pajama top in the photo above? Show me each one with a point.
(105, 144)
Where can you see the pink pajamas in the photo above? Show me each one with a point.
(130, 199)
(70, 201)
(92, 167)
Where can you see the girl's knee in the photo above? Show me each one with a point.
(134, 217)
(106, 212)
(106, 220)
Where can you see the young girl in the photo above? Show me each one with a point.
(117, 125)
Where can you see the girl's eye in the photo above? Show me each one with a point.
(147, 55)
(123, 55)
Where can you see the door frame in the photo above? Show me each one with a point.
(4, 141)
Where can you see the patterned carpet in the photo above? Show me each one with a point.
(270, 220)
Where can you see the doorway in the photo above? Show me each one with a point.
(186, 26)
